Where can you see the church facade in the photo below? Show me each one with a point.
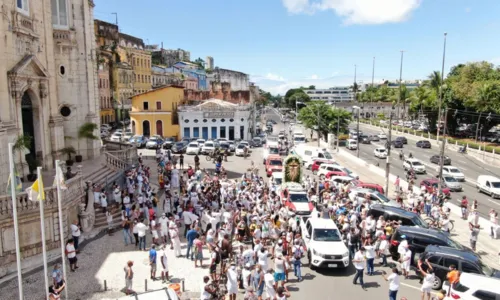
(48, 80)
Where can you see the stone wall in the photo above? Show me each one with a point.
(239, 81)
(29, 221)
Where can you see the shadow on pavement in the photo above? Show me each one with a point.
(349, 271)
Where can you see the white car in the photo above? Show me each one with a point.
(380, 152)
(200, 142)
(127, 136)
(325, 168)
(247, 144)
(382, 136)
(360, 194)
(453, 172)
(208, 147)
(240, 150)
(193, 148)
(324, 243)
(475, 286)
(154, 142)
(415, 164)
(116, 137)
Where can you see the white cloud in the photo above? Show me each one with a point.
(274, 77)
(358, 11)
(314, 77)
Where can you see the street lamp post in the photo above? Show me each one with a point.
(357, 129)
(400, 83)
(441, 86)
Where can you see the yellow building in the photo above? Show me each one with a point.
(140, 61)
(155, 112)
(123, 82)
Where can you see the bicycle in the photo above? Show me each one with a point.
(436, 224)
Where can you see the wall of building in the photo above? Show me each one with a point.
(238, 81)
(160, 106)
(209, 63)
(105, 97)
(196, 124)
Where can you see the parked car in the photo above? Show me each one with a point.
(424, 144)
(382, 136)
(431, 184)
(127, 136)
(209, 147)
(397, 144)
(453, 172)
(240, 150)
(489, 185)
(452, 184)
(180, 147)
(224, 146)
(380, 152)
(441, 257)
(168, 143)
(200, 142)
(154, 142)
(374, 138)
(193, 148)
(232, 146)
(391, 213)
(139, 141)
(436, 159)
(415, 164)
(418, 239)
(473, 286)
(256, 142)
(402, 139)
(316, 163)
(116, 137)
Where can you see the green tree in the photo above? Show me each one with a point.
(200, 62)
(324, 118)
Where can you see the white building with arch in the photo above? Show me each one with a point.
(215, 118)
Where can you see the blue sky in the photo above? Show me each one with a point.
(287, 43)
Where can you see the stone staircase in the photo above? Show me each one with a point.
(100, 217)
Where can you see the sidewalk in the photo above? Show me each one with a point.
(487, 247)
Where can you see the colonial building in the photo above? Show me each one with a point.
(162, 76)
(107, 38)
(123, 81)
(155, 112)
(190, 83)
(214, 119)
(168, 57)
(192, 70)
(48, 78)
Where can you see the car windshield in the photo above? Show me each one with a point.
(418, 221)
(169, 139)
(299, 197)
(454, 171)
(278, 181)
(417, 163)
(381, 197)
(326, 235)
(209, 144)
(496, 184)
(193, 145)
(241, 146)
(274, 151)
(451, 243)
(299, 139)
(327, 155)
(179, 144)
(276, 162)
(486, 270)
(449, 179)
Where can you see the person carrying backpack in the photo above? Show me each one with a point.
(297, 253)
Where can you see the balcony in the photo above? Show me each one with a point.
(65, 38)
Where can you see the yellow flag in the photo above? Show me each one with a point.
(36, 191)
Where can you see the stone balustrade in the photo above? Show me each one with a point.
(127, 155)
(114, 162)
(24, 205)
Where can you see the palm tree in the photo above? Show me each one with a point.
(486, 95)
(86, 131)
(434, 81)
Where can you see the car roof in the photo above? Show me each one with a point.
(440, 250)
(418, 230)
(392, 209)
(431, 180)
(331, 165)
(274, 156)
(381, 148)
(488, 177)
(479, 281)
(413, 159)
(364, 190)
(322, 223)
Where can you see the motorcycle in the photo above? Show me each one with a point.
(462, 150)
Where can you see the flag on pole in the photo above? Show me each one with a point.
(18, 183)
(36, 191)
(59, 178)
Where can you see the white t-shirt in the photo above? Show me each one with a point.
(383, 247)
(393, 282)
(428, 281)
(269, 283)
(75, 231)
(279, 265)
(204, 294)
(361, 258)
(141, 229)
(370, 252)
(402, 247)
(71, 250)
(232, 278)
(262, 258)
(248, 255)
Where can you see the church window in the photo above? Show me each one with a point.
(60, 13)
(22, 6)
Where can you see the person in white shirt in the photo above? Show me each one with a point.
(393, 280)
(402, 246)
(109, 219)
(71, 254)
(75, 232)
(141, 233)
(174, 237)
(232, 282)
(370, 257)
(406, 262)
(164, 266)
(163, 221)
(427, 281)
(206, 291)
(270, 284)
(383, 250)
(359, 263)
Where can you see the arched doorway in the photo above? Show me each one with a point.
(159, 128)
(28, 118)
(133, 128)
(146, 131)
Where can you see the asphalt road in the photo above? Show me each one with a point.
(471, 167)
(337, 284)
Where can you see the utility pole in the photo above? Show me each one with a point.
(441, 86)
(355, 85)
(387, 160)
(400, 83)
(443, 145)
(477, 126)
(371, 94)
(116, 18)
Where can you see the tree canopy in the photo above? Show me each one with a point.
(324, 118)
(295, 95)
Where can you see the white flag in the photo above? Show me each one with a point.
(61, 181)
